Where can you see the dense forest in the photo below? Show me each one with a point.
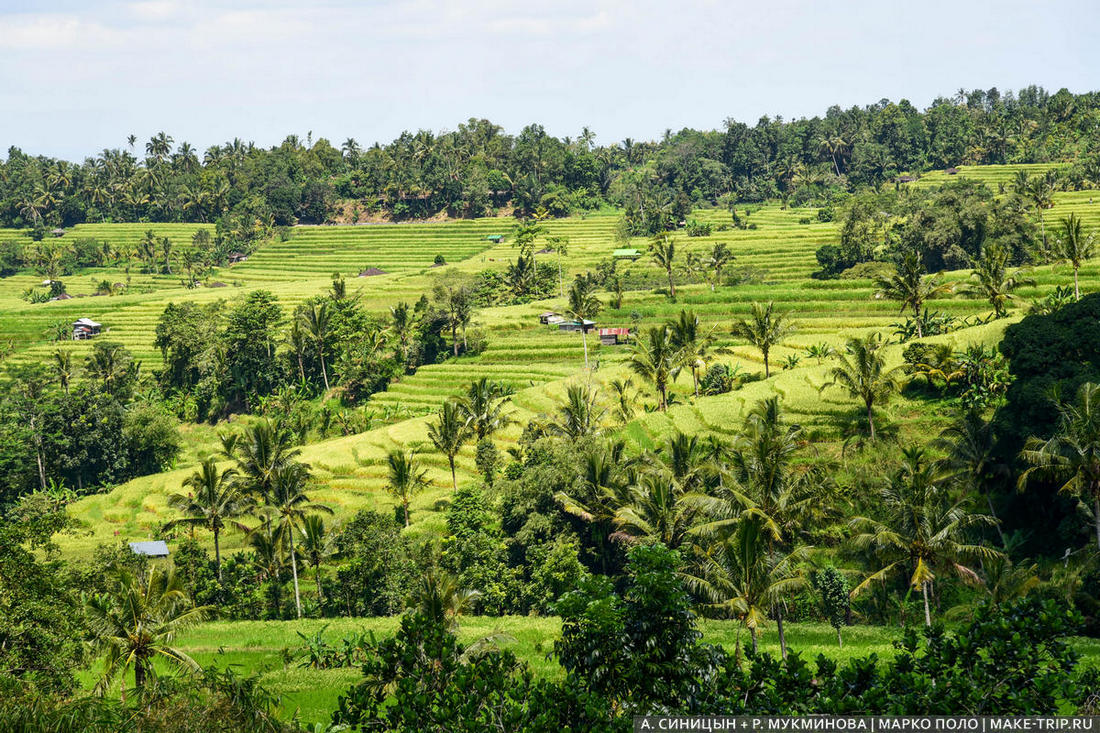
(479, 169)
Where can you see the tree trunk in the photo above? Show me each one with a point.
(839, 640)
(767, 367)
(782, 636)
(454, 339)
(317, 577)
(405, 507)
(584, 340)
(916, 319)
(871, 420)
(454, 480)
(294, 570)
(752, 633)
(41, 468)
(695, 380)
(324, 372)
(217, 554)
(993, 513)
(139, 673)
(671, 286)
(301, 367)
(1096, 517)
(927, 613)
(1076, 287)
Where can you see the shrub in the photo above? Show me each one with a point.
(718, 379)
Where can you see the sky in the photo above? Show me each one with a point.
(78, 76)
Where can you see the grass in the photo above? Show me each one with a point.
(257, 647)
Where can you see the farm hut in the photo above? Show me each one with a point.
(626, 254)
(235, 257)
(217, 284)
(371, 272)
(905, 179)
(555, 320)
(153, 548)
(62, 296)
(952, 171)
(545, 251)
(613, 336)
(58, 232)
(544, 318)
(575, 326)
(85, 328)
(495, 238)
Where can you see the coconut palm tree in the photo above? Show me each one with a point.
(215, 498)
(663, 251)
(580, 415)
(764, 329)
(62, 367)
(260, 451)
(659, 510)
(583, 306)
(863, 373)
(694, 344)
(910, 287)
(655, 358)
(1076, 247)
(602, 491)
(1072, 454)
(483, 405)
(449, 433)
(920, 529)
(439, 596)
(405, 478)
(287, 506)
(742, 577)
(137, 620)
(970, 445)
(316, 319)
(318, 544)
(719, 257)
(993, 281)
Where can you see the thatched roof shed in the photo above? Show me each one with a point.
(371, 272)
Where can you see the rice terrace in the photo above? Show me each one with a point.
(493, 428)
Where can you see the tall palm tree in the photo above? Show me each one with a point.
(136, 621)
(603, 489)
(287, 506)
(764, 328)
(405, 478)
(449, 433)
(580, 414)
(742, 577)
(215, 499)
(659, 510)
(909, 286)
(1072, 454)
(919, 530)
(719, 257)
(970, 444)
(863, 373)
(317, 322)
(270, 556)
(483, 405)
(993, 281)
(1076, 247)
(109, 363)
(583, 305)
(656, 359)
(261, 451)
(318, 544)
(62, 367)
(694, 344)
(663, 251)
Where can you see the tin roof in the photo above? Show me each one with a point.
(152, 548)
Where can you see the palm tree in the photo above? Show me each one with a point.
(1041, 192)
(659, 510)
(970, 444)
(137, 619)
(318, 544)
(583, 306)
(483, 406)
(216, 498)
(287, 506)
(580, 414)
(439, 596)
(862, 372)
(1075, 247)
(694, 345)
(993, 280)
(108, 362)
(317, 322)
(1072, 454)
(261, 451)
(663, 251)
(719, 257)
(742, 577)
(449, 433)
(920, 529)
(656, 359)
(62, 367)
(405, 478)
(764, 329)
(909, 286)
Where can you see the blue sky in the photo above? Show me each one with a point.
(76, 77)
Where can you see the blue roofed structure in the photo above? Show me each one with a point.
(153, 548)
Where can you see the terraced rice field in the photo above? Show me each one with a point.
(536, 360)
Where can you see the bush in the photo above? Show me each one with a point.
(718, 379)
(826, 213)
(696, 228)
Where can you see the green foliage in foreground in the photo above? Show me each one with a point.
(639, 651)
